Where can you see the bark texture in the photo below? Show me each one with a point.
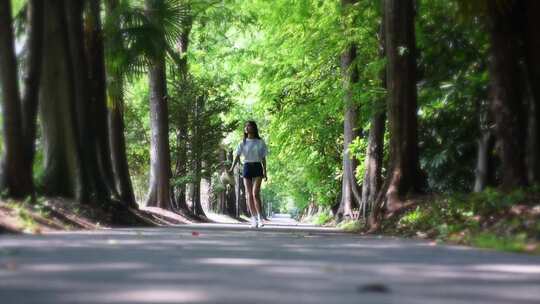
(96, 63)
(507, 102)
(374, 154)
(374, 158)
(86, 116)
(350, 197)
(181, 164)
(15, 171)
(159, 188)
(532, 59)
(117, 140)
(32, 76)
(404, 175)
(63, 172)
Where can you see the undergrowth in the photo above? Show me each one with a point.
(489, 219)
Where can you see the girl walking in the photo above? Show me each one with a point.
(253, 149)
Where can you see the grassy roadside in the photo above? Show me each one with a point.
(53, 214)
(489, 219)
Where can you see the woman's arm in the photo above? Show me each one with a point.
(235, 161)
(264, 168)
(236, 157)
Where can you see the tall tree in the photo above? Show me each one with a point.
(182, 134)
(159, 188)
(507, 100)
(349, 188)
(230, 197)
(87, 118)
(197, 147)
(374, 154)
(240, 195)
(404, 174)
(63, 170)
(485, 167)
(32, 76)
(98, 96)
(115, 48)
(532, 58)
(16, 175)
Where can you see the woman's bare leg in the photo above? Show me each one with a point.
(257, 194)
(248, 184)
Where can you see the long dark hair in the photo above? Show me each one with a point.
(254, 125)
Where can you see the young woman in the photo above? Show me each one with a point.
(254, 151)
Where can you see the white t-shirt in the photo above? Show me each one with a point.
(253, 150)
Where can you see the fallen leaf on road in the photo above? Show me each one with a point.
(10, 265)
(329, 268)
(373, 287)
(194, 233)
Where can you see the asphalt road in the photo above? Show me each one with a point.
(212, 263)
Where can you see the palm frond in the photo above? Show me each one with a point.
(137, 36)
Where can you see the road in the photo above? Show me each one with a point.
(230, 263)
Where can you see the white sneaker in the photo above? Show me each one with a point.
(260, 224)
(253, 223)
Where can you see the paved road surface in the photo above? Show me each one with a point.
(208, 263)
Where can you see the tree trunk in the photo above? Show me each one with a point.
(158, 193)
(532, 59)
(349, 187)
(196, 198)
(32, 77)
(118, 144)
(63, 173)
(404, 174)
(221, 199)
(230, 195)
(117, 140)
(239, 191)
(484, 167)
(181, 168)
(16, 174)
(507, 102)
(485, 161)
(374, 155)
(197, 146)
(374, 159)
(96, 62)
(94, 180)
(533, 139)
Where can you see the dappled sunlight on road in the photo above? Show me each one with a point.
(234, 264)
(151, 295)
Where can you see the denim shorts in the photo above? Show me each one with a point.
(252, 170)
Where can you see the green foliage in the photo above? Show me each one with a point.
(144, 36)
(488, 202)
(453, 86)
(481, 219)
(17, 6)
(351, 225)
(137, 124)
(322, 218)
(294, 57)
(517, 243)
(23, 209)
(282, 61)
